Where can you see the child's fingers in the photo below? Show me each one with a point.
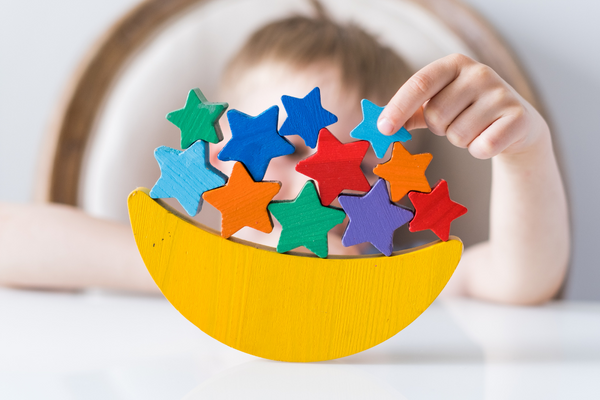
(496, 138)
(421, 87)
(490, 125)
(475, 119)
(443, 108)
(417, 121)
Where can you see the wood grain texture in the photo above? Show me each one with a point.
(243, 202)
(305, 222)
(405, 172)
(306, 117)
(186, 175)
(280, 306)
(198, 119)
(435, 210)
(336, 166)
(255, 141)
(373, 218)
(367, 130)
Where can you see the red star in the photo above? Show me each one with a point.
(435, 210)
(336, 166)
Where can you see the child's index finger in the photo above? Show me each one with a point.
(422, 86)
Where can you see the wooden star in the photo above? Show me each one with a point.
(367, 130)
(405, 172)
(243, 202)
(198, 120)
(435, 210)
(186, 175)
(373, 218)
(255, 141)
(336, 166)
(305, 222)
(306, 117)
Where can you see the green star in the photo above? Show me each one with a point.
(305, 222)
(198, 120)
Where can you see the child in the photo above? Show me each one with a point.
(523, 262)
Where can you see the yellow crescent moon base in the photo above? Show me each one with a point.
(285, 307)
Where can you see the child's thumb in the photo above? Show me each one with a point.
(387, 127)
(415, 92)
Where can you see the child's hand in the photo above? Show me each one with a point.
(467, 102)
(526, 257)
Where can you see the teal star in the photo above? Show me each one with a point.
(198, 120)
(305, 222)
(367, 130)
(186, 175)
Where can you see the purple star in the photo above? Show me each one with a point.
(373, 218)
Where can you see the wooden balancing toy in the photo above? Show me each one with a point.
(274, 303)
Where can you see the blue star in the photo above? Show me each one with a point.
(373, 218)
(255, 141)
(367, 130)
(306, 117)
(186, 175)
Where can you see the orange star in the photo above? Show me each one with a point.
(243, 202)
(405, 172)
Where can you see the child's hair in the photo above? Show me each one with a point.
(375, 71)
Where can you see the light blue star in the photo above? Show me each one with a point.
(367, 130)
(306, 117)
(186, 175)
(255, 141)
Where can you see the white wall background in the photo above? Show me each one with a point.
(42, 41)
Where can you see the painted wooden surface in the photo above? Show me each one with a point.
(435, 210)
(243, 202)
(306, 117)
(281, 306)
(198, 119)
(186, 175)
(373, 218)
(336, 166)
(367, 130)
(305, 222)
(405, 172)
(255, 141)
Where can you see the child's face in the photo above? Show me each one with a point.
(261, 88)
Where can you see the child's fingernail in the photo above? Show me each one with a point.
(385, 126)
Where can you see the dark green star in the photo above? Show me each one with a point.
(198, 120)
(305, 222)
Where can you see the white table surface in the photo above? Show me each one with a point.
(111, 346)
